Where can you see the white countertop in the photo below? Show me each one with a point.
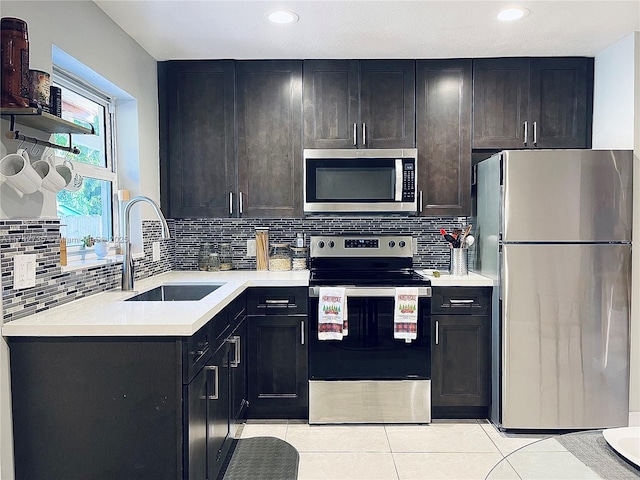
(108, 314)
(446, 280)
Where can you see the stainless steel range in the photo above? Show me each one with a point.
(368, 376)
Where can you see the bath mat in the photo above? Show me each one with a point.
(261, 458)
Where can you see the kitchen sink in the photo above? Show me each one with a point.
(175, 293)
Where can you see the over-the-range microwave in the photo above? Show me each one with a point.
(360, 181)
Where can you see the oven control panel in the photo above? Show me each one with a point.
(362, 246)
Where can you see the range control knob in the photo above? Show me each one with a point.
(331, 244)
(402, 244)
(320, 244)
(392, 243)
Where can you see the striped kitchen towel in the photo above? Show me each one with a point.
(405, 314)
(332, 313)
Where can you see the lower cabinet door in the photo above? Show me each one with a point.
(196, 423)
(460, 361)
(277, 367)
(218, 424)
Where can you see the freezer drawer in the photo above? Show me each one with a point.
(565, 336)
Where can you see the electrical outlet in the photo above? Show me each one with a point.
(24, 271)
(251, 248)
(156, 251)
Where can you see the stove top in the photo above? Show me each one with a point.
(381, 260)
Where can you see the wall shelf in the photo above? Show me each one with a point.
(43, 121)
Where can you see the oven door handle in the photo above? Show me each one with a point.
(352, 291)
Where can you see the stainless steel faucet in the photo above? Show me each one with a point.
(127, 264)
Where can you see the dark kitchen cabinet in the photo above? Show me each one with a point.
(359, 103)
(197, 158)
(127, 407)
(277, 353)
(461, 351)
(269, 138)
(443, 133)
(532, 102)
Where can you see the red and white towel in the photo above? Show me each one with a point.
(405, 314)
(332, 313)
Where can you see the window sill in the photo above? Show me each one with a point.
(74, 262)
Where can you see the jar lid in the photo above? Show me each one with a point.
(280, 245)
(299, 249)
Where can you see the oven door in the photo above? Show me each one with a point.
(369, 351)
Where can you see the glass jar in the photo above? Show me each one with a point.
(226, 257)
(279, 257)
(262, 249)
(208, 259)
(299, 258)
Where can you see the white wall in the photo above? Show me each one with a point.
(85, 33)
(616, 124)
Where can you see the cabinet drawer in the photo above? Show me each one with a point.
(195, 352)
(461, 300)
(277, 300)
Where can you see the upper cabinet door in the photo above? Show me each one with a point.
(331, 103)
(359, 104)
(500, 103)
(532, 102)
(561, 102)
(197, 140)
(269, 138)
(443, 112)
(387, 108)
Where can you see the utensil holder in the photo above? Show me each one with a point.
(458, 261)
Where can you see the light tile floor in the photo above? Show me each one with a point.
(444, 449)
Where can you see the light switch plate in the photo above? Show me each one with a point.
(155, 247)
(24, 271)
(251, 248)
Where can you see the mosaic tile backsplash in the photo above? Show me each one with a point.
(54, 287)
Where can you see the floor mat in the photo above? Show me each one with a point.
(593, 450)
(261, 458)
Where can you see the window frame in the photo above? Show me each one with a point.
(108, 173)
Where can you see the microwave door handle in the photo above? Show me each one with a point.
(398, 180)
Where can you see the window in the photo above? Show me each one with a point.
(89, 210)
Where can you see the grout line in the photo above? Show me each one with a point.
(393, 458)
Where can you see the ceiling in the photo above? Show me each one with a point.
(238, 29)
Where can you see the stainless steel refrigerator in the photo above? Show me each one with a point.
(554, 232)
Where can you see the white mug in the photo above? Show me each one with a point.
(73, 180)
(51, 179)
(17, 170)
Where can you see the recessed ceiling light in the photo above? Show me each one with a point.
(283, 16)
(510, 14)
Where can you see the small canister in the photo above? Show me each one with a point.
(208, 259)
(226, 256)
(39, 89)
(299, 258)
(279, 257)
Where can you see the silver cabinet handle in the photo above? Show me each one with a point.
(526, 132)
(355, 135)
(301, 332)
(535, 134)
(437, 329)
(241, 210)
(236, 350)
(421, 208)
(460, 301)
(230, 203)
(364, 134)
(215, 369)
(277, 302)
